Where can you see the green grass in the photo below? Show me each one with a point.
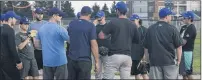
(197, 55)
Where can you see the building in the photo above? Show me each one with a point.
(139, 7)
(149, 9)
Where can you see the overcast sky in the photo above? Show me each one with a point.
(77, 5)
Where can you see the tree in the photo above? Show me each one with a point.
(67, 8)
(95, 8)
(23, 11)
(106, 10)
(113, 10)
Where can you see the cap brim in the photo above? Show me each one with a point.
(40, 12)
(172, 13)
(17, 17)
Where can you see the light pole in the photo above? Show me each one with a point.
(59, 7)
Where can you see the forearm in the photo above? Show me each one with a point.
(145, 54)
(179, 53)
(95, 53)
(22, 45)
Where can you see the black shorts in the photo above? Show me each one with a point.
(135, 71)
(39, 59)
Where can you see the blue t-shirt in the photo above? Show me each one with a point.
(52, 38)
(81, 32)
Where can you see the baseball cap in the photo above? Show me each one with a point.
(134, 16)
(100, 14)
(39, 11)
(54, 10)
(2, 17)
(78, 14)
(24, 20)
(121, 6)
(188, 15)
(86, 10)
(11, 14)
(165, 12)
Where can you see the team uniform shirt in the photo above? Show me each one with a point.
(81, 32)
(188, 32)
(123, 32)
(161, 41)
(52, 38)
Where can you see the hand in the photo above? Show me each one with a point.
(95, 22)
(19, 66)
(97, 68)
(33, 33)
(178, 63)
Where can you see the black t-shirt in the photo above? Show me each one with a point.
(8, 47)
(189, 35)
(123, 32)
(138, 49)
(161, 41)
(102, 42)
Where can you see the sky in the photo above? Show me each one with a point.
(77, 5)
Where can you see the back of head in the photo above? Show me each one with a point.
(86, 10)
(122, 8)
(165, 12)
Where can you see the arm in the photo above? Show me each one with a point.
(94, 47)
(177, 44)
(106, 31)
(64, 34)
(179, 54)
(12, 46)
(23, 44)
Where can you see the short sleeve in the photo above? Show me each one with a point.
(177, 39)
(108, 28)
(18, 39)
(93, 34)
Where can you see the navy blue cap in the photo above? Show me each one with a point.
(188, 15)
(2, 17)
(39, 11)
(100, 14)
(134, 16)
(86, 10)
(121, 6)
(24, 20)
(165, 12)
(11, 14)
(78, 14)
(54, 10)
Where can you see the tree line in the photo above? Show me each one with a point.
(66, 6)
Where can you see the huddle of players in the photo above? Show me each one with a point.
(113, 41)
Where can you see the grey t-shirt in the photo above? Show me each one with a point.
(28, 51)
